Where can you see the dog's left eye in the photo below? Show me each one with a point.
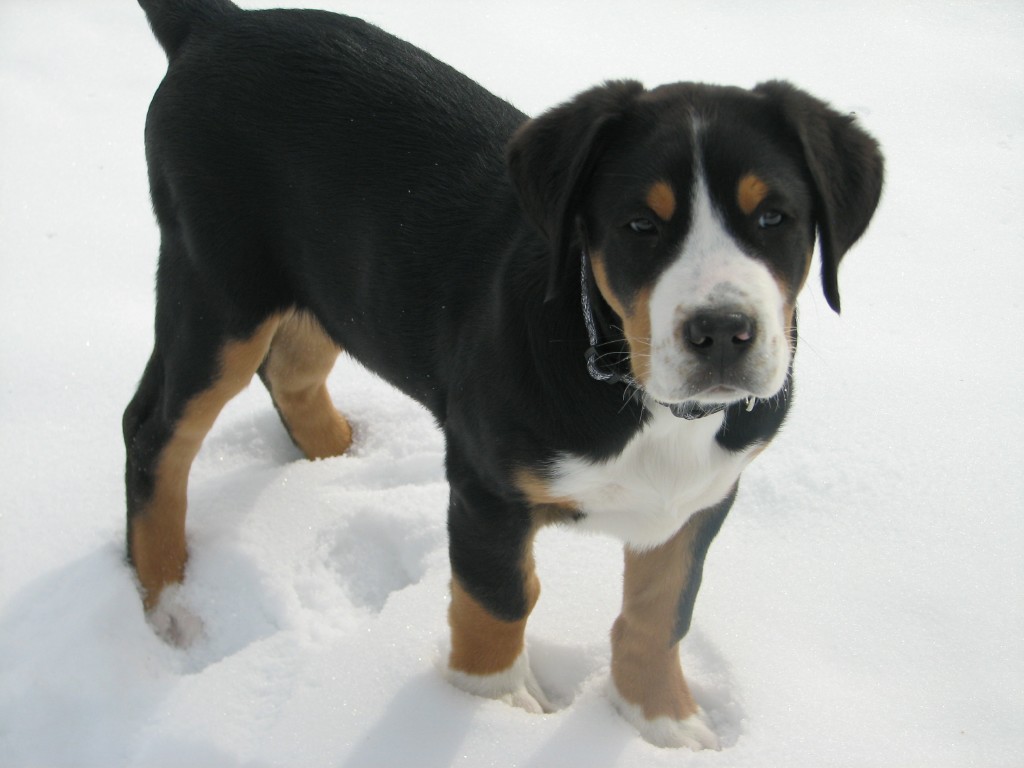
(643, 226)
(769, 219)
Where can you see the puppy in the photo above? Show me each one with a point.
(597, 305)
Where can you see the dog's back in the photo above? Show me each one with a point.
(279, 138)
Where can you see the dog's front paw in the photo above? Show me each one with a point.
(516, 685)
(692, 732)
(172, 621)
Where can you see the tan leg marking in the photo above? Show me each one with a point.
(636, 319)
(645, 660)
(301, 357)
(481, 643)
(547, 508)
(158, 548)
(662, 200)
(750, 191)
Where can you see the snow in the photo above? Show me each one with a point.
(862, 605)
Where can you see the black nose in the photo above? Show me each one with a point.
(722, 337)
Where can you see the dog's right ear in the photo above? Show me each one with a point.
(550, 159)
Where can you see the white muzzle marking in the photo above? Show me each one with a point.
(712, 273)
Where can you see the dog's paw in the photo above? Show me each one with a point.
(517, 686)
(692, 732)
(172, 621)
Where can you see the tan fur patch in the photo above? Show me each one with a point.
(158, 548)
(645, 660)
(536, 490)
(301, 357)
(481, 643)
(750, 192)
(636, 319)
(789, 308)
(546, 508)
(788, 313)
(662, 200)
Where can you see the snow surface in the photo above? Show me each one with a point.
(862, 605)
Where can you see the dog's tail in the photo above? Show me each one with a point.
(173, 20)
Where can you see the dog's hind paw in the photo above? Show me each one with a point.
(172, 621)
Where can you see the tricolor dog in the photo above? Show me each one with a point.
(597, 305)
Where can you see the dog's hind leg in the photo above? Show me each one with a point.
(196, 368)
(295, 372)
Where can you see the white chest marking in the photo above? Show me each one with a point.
(668, 472)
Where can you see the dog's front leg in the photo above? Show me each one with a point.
(494, 588)
(659, 588)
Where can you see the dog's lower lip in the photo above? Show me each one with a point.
(725, 391)
(717, 394)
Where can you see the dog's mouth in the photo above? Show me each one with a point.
(712, 396)
(708, 386)
(721, 393)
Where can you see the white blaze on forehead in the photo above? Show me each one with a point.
(712, 272)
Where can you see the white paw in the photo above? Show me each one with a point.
(693, 732)
(172, 621)
(516, 686)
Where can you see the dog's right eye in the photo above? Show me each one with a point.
(643, 226)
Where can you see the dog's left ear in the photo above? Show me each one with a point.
(550, 159)
(846, 167)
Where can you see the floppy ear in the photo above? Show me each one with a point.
(846, 167)
(550, 159)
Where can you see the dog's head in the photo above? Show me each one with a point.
(698, 207)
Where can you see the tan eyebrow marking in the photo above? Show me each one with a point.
(750, 192)
(662, 200)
